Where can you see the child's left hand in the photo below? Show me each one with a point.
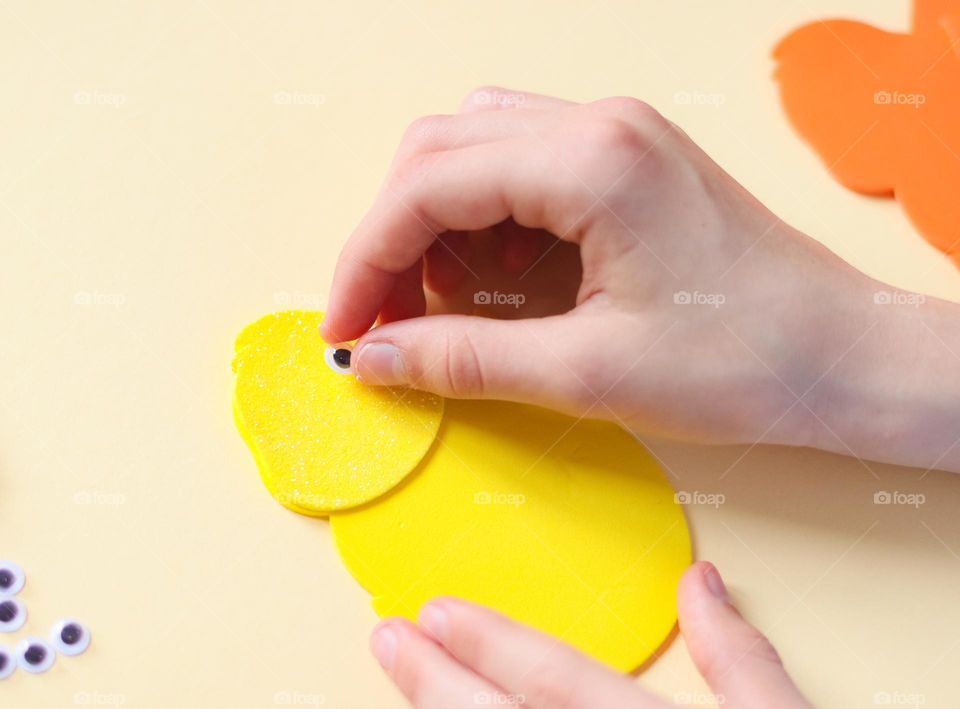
(463, 655)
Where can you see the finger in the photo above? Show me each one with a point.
(736, 659)
(406, 300)
(542, 670)
(426, 674)
(497, 98)
(467, 357)
(465, 190)
(446, 262)
(430, 134)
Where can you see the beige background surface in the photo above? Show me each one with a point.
(156, 195)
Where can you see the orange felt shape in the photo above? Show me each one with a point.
(882, 109)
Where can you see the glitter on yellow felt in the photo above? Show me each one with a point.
(322, 440)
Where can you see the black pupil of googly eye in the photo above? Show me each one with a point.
(6, 578)
(8, 611)
(3, 662)
(71, 633)
(342, 358)
(35, 654)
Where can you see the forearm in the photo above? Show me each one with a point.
(893, 393)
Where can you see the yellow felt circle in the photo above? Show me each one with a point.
(568, 526)
(322, 440)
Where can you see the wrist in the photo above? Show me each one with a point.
(890, 389)
(823, 312)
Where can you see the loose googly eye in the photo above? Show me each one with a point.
(35, 655)
(11, 578)
(70, 637)
(7, 662)
(338, 359)
(13, 614)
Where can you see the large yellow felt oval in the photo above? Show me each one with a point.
(322, 440)
(566, 525)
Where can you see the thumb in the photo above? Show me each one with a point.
(736, 659)
(469, 357)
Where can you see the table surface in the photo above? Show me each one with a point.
(171, 171)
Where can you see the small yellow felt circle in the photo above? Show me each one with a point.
(568, 526)
(322, 440)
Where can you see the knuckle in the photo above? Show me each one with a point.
(764, 651)
(422, 134)
(602, 136)
(462, 373)
(477, 640)
(607, 150)
(634, 111)
(548, 685)
(411, 170)
(751, 647)
(409, 678)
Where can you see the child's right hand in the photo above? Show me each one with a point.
(699, 314)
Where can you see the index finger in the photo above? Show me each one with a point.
(467, 189)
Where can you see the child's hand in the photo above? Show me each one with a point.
(698, 314)
(461, 654)
(695, 301)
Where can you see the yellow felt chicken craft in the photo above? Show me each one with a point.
(566, 525)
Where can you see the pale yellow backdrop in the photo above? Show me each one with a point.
(171, 170)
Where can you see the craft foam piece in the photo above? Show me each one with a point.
(322, 440)
(882, 110)
(568, 526)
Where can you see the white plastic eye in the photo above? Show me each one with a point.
(8, 662)
(13, 614)
(11, 578)
(35, 655)
(338, 358)
(70, 637)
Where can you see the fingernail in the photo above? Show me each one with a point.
(383, 644)
(712, 578)
(380, 363)
(434, 619)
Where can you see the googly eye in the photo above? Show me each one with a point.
(338, 359)
(13, 614)
(69, 637)
(35, 655)
(11, 578)
(8, 662)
